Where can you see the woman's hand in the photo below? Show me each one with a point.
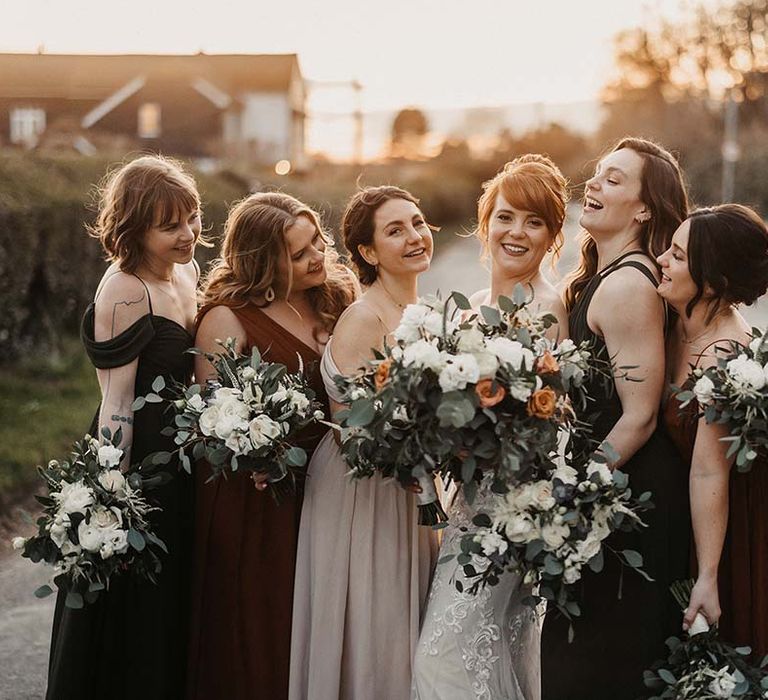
(260, 480)
(704, 600)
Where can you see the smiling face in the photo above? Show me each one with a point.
(173, 241)
(677, 285)
(612, 201)
(306, 245)
(517, 240)
(402, 240)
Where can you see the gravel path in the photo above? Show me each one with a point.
(25, 621)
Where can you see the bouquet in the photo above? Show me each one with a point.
(702, 666)
(457, 396)
(244, 418)
(734, 392)
(548, 529)
(94, 524)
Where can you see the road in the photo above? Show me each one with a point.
(25, 622)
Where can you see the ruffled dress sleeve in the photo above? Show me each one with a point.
(121, 350)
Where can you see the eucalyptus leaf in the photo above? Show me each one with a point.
(158, 385)
(136, 540)
(138, 403)
(43, 591)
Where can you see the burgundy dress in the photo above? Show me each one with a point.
(245, 555)
(743, 573)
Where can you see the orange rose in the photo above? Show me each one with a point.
(382, 374)
(542, 403)
(486, 393)
(547, 364)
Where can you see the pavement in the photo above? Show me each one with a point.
(25, 621)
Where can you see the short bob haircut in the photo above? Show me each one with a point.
(147, 192)
(357, 227)
(727, 256)
(533, 183)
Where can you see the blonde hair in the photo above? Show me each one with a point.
(254, 243)
(148, 191)
(531, 182)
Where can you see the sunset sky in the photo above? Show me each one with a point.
(431, 53)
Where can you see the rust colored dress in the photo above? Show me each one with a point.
(245, 555)
(743, 572)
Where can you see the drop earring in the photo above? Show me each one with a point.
(269, 294)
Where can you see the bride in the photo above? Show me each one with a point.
(486, 645)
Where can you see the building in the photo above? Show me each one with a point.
(249, 107)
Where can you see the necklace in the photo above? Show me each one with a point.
(392, 299)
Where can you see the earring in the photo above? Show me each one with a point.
(269, 295)
(549, 250)
(642, 217)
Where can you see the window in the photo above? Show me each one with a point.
(27, 123)
(149, 120)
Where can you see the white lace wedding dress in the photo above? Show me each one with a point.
(482, 646)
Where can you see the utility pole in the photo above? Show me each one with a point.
(731, 151)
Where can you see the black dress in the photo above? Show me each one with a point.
(617, 639)
(132, 642)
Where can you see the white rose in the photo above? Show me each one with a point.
(460, 370)
(746, 373)
(571, 574)
(704, 390)
(74, 498)
(58, 529)
(208, 419)
(224, 395)
(487, 364)
(248, 373)
(238, 443)
(511, 352)
(109, 456)
(117, 540)
(113, 481)
(471, 340)
(299, 401)
(724, 685)
(554, 535)
(233, 415)
(263, 430)
(492, 542)
(279, 395)
(106, 517)
(423, 353)
(603, 471)
(520, 390)
(541, 495)
(19, 542)
(433, 324)
(520, 529)
(90, 537)
(411, 322)
(196, 403)
(566, 474)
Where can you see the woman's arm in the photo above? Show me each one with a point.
(219, 323)
(710, 472)
(122, 301)
(629, 315)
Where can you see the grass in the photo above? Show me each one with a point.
(44, 408)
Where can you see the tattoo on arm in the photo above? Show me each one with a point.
(124, 303)
(122, 419)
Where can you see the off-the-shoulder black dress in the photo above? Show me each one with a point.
(132, 642)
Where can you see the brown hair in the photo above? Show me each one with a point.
(254, 243)
(148, 191)
(662, 190)
(531, 182)
(727, 252)
(357, 226)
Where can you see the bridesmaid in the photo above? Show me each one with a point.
(494, 651)
(718, 259)
(138, 327)
(278, 287)
(632, 206)
(363, 562)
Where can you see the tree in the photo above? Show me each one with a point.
(409, 129)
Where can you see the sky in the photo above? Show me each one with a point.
(434, 54)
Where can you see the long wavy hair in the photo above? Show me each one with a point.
(253, 245)
(662, 190)
(531, 182)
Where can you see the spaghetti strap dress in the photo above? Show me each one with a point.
(245, 555)
(625, 619)
(743, 571)
(362, 578)
(131, 642)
